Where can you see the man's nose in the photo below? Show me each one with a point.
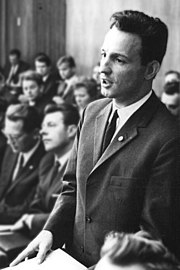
(105, 66)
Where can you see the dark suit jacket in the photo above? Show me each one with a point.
(44, 198)
(16, 196)
(23, 66)
(3, 144)
(132, 186)
(50, 86)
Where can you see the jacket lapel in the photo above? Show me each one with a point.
(126, 134)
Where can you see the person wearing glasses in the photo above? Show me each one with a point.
(19, 171)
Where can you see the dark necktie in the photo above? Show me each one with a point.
(110, 130)
(55, 170)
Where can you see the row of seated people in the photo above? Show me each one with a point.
(33, 165)
(55, 83)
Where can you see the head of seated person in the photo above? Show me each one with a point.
(172, 76)
(43, 65)
(32, 86)
(171, 97)
(85, 91)
(135, 252)
(66, 66)
(22, 125)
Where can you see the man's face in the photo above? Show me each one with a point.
(54, 132)
(13, 59)
(106, 264)
(65, 71)
(19, 140)
(31, 89)
(82, 97)
(121, 71)
(42, 68)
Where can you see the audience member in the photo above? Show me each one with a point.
(135, 252)
(32, 86)
(172, 76)
(67, 70)
(128, 182)
(19, 171)
(58, 131)
(85, 91)
(171, 97)
(43, 66)
(13, 70)
(3, 107)
(15, 67)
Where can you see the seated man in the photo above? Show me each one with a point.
(58, 132)
(135, 252)
(50, 79)
(67, 70)
(19, 171)
(3, 107)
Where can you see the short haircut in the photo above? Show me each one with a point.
(43, 58)
(173, 72)
(70, 112)
(66, 59)
(90, 84)
(124, 249)
(28, 114)
(32, 75)
(15, 52)
(152, 32)
(172, 88)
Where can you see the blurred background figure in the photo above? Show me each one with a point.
(3, 107)
(135, 252)
(85, 91)
(19, 169)
(172, 76)
(67, 70)
(171, 97)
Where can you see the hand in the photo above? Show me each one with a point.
(19, 225)
(43, 243)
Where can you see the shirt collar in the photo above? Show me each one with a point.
(126, 112)
(62, 160)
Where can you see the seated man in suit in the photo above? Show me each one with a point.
(19, 171)
(58, 132)
(50, 79)
(67, 70)
(135, 252)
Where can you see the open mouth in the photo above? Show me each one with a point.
(106, 83)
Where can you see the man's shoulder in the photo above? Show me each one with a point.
(98, 104)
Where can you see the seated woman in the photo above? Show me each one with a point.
(32, 86)
(85, 91)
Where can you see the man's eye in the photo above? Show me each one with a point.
(121, 61)
(103, 54)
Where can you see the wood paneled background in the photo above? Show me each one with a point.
(77, 27)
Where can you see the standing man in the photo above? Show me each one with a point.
(129, 183)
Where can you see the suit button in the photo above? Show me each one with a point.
(88, 219)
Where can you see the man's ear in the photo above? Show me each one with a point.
(72, 129)
(152, 69)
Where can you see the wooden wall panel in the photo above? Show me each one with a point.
(88, 21)
(33, 26)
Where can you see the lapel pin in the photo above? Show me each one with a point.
(121, 138)
(31, 167)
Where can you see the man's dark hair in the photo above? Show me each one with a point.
(15, 52)
(172, 88)
(124, 249)
(29, 115)
(173, 72)
(70, 112)
(66, 59)
(43, 58)
(152, 31)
